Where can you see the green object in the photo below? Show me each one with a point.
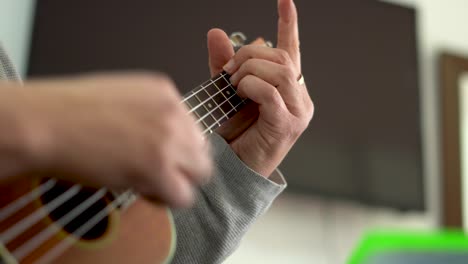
(382, 242)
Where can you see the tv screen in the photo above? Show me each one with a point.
(359, 61)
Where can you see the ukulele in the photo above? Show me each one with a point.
(43, 219)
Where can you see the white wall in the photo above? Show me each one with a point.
(16, 18)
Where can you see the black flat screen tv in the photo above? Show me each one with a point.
(359, 60)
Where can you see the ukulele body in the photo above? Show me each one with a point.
(36, 227)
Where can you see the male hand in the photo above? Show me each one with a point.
(129, 131)
(268, 77)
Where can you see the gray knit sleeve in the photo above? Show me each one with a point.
(225, 208)
(7, 70)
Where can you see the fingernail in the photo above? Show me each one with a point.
(234, 79)
(229, 67)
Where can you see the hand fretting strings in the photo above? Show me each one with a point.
(35, 242)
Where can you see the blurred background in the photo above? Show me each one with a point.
(380, 151)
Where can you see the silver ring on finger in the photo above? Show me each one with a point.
(301, 80)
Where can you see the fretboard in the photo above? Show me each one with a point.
(214, 102)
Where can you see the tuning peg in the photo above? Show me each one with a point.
(237, 39)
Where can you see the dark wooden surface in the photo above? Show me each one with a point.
(452, 67)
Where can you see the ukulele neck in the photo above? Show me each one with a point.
(214, 102)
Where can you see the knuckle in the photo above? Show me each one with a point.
(305, 121)
(283, 56)
(273, 96)
(247, 51)
(244, 52)
(245, 83)
(251, 65)
(311, 110)
(296, 130)
(286, 76)
(249, 78)
(248, 65)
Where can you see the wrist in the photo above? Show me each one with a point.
(260, 161)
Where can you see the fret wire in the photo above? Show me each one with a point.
(211, 97)
(202, 88)
(219, 90)
(229, 84)
(208, 110)
(196, 113)
(209, 129)
(219, 106)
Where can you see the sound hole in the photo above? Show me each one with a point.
(61, 187)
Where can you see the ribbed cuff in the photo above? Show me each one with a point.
(243, 178)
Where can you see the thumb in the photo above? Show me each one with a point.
(220, 50)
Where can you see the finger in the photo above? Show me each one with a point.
(279, 76)
(265, 95)
(220, 50)
(288, 31)
(193, 154)
(258, 42)
(196, 162)
(175, 190)
(188, 165)
(259, 52)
